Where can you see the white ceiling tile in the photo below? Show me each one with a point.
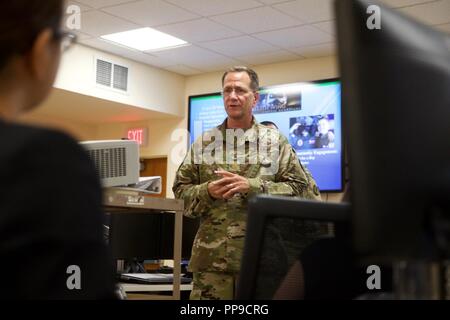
(269, 2)
(151, 13)
(295, 37)
(81, 36)
(256, 20)
(127, 53)
(308, 10)
(443, 27)
(228, 32)
(402, 3)
(160, 62)
(106, 46)
(322, 50)
(430, 13)
(183, 70)
(269, 57)
(97, 24)
(220, 65)
(193, 56)
(198, 30)
(215, 7)
(102, 3)
(327, 26)
(240, 46)
(82, 7)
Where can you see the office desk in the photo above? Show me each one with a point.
(115, 198)
(144, 291)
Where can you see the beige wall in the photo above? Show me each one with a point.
(270, 74)
(78, 130)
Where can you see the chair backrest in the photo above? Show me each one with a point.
(278, 229)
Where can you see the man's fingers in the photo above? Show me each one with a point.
(230, 194)
(224, 173)
(224, 181)
(229, 190)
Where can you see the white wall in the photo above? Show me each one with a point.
(149, 88)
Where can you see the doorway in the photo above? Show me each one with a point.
(155, 167)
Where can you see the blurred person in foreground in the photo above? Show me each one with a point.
(51, 244)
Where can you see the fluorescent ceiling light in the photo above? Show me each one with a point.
(145, 39)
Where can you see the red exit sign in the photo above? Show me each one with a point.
(139, 135)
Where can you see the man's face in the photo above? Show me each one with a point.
(323, 126)
(238, 97)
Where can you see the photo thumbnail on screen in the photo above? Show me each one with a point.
(312, 132)
(278, 101)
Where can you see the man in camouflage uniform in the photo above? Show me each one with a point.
(284, 239)
(218, 177)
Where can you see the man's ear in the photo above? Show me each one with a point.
(256, 95)
(41, 55)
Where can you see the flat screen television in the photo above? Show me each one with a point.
(307, 113)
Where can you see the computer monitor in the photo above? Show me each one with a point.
(134, 235)
(148, 236)
(396, 93)
(278, 230)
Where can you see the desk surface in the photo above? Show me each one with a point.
(133, 287)
(126, 198)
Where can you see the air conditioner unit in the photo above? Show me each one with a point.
(116, 161)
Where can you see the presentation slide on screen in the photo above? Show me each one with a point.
(308, 114)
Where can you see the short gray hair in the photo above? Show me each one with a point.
(254, 79)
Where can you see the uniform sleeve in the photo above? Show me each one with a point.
(291, 178)
(312, 192)
(187, 187)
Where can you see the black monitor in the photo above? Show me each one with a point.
(134, 235)
(278, 229)
(148, 236)
(190, 228)
(396, 98)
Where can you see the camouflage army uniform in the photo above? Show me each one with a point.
(218, 246)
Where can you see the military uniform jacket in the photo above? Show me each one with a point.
(219, 242)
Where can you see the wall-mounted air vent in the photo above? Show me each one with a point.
(104, 70)
(111, 75)
(120, 78)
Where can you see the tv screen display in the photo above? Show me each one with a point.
(308, 114)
